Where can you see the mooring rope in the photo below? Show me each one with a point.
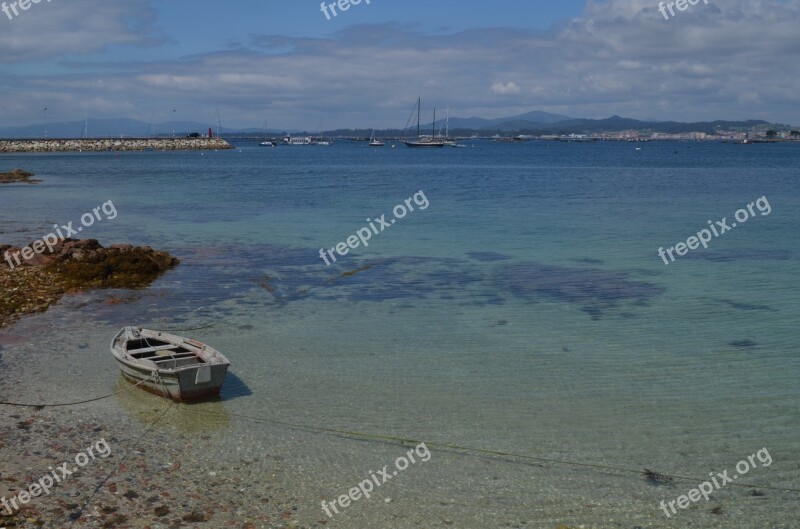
(496, 453)
(42, 406)
(124, 458)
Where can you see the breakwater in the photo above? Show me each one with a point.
(111, 144)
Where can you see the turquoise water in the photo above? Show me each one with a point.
(525, 310)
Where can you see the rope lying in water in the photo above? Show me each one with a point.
(153, 376)
(61, 405)
(495, 453)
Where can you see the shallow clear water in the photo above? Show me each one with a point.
(525, 310)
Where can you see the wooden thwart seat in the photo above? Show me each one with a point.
(164, 350)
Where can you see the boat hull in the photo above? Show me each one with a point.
(180, 386)
(169, 366)
(423, 144)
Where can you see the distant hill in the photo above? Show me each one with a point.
(534, 123)
(617, 123)
(544, 123)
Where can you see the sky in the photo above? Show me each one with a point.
(287, 62)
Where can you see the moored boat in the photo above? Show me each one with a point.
(374, 142)
(290, 140)
(266, 142)
(170, 366)
(423, 141)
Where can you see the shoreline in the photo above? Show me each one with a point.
(111, 144)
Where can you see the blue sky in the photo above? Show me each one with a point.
(283, 60)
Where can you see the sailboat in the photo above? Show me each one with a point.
(424, 141)
(373, 142)
(266, 142)
(447, 141)
(322, 140)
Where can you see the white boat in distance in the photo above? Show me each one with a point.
(373, 142)
(266, 142)
(170, 366)
(289, 140)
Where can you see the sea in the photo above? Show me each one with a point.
(522, 324)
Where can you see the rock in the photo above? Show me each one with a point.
(73, 265)
(17, 175)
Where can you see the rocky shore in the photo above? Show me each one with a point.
(110, 144)
(73, 265)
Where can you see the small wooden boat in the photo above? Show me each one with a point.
(171, 366)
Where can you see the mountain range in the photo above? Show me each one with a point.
(535, 123)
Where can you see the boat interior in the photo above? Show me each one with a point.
(164, 354)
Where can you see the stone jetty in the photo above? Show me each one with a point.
(111, 144)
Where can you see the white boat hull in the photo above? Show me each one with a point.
(180, 369)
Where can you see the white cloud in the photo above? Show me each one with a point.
(505, 89)
(51, 29)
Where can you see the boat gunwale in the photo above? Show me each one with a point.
(206, 350)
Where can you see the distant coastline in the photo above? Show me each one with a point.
(110, 144)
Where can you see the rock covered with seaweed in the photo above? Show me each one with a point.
(17, 175)
(74, 265)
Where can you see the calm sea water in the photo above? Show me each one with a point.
(525, 310)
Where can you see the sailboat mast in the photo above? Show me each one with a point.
(419, 106)
(433, 127)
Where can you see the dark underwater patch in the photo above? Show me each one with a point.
(291, 274)
(745, 306)
(488, 256)
(747, 254)
(587, 260)
(743, 344)
(595, 290)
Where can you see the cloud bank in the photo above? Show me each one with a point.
(734, 60)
